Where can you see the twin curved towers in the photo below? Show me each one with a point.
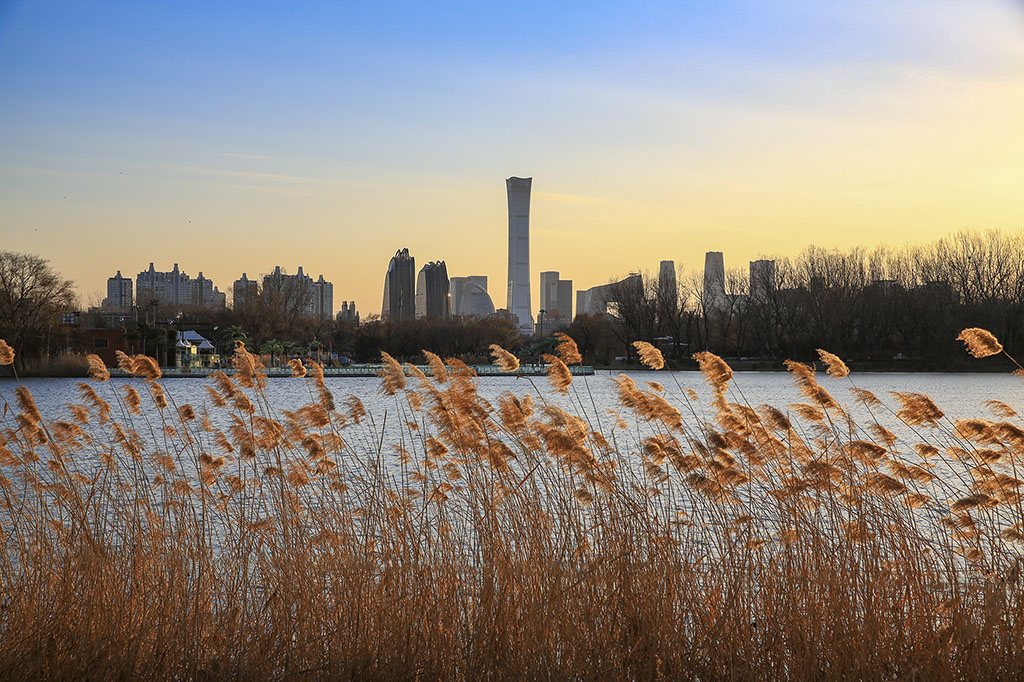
(403, 299)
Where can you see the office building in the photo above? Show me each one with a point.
(470, 297)
(433, 297)
(714, 280)
(555, 296)
(400, 288)
(604, 299)
(762, 279)
(518, 301)
(668, 289)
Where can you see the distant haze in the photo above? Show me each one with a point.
(231, 137)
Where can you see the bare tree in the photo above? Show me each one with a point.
(32, 297)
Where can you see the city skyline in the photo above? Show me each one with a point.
(659, 133)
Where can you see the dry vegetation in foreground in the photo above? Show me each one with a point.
(673, 538)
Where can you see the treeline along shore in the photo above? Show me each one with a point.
(883, 309)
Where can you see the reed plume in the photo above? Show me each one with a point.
(649, 355)
(437, 367)
(97, 369)
(558, 374)
(917, 409)
(249, 369)
(980, 342)
(392, 374)
(297, 368)
(809, 386)
(716, 372)
(503, 359)
(6, 353)
(837, 369)
(567, 349)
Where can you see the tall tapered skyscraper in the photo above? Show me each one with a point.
(519, 302)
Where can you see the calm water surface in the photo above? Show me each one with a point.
(959, 395)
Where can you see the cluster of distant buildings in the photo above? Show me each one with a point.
(176, 288)
(430, 293)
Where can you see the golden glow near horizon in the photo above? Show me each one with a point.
(908, 133)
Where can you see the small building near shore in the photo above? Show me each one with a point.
(192, 349)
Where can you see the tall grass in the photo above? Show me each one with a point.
(448, 537)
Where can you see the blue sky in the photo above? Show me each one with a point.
(329, 135)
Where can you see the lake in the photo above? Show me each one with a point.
(959, 395)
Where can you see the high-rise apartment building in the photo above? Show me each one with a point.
(243, 291)
(348, 312)
(400, 288)
(555, 296)
(323, 299)
(176, 288)
(205, 294)
(433, 297)
(470, 297)
(309, 297)
(119, 294)
(519, 302)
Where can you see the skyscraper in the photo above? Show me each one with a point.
(519, 302)
(668, 290)
(400, 288)
(432, 295)
(714, 280)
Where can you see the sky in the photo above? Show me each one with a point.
(231, 137)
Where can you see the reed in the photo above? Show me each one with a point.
(450, 537)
